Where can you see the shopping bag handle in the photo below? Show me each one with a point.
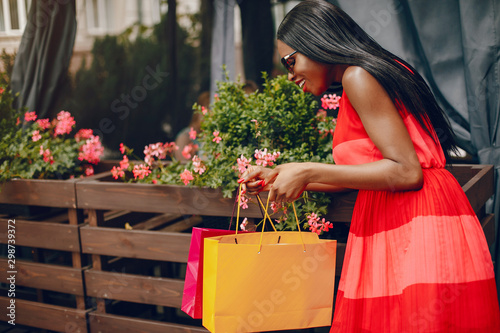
(261, 206)
(266, 216)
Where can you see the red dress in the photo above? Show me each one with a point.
(416, 261)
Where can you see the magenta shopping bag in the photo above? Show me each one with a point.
(193, 284)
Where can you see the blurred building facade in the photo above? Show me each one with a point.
(95, 18)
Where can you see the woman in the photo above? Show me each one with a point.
(416, 258)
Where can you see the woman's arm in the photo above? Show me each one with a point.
(316, 187)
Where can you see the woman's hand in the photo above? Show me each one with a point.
(253, 180)
(286, 182)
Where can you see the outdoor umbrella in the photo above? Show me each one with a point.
(44, 54)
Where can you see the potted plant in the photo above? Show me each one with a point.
(38, 155)
(279, 124)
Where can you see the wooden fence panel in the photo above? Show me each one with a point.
(45, 316)
(45, 276)
(134, 288)
(153, 245)
(101, 322)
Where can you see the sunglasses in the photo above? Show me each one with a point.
(288, 62)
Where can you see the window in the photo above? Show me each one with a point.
(96, 16)
(13, 16)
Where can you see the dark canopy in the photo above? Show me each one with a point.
(43, 57)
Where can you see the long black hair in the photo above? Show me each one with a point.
(325, 33)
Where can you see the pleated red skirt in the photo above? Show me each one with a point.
(417, 261)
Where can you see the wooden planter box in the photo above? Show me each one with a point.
(101, 192)
(48, 272)
(49, 269)
(48, 193)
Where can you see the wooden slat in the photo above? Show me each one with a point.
(134, 288)
(157, 221)
(113, 323)
(480, 187)
(49, 193)
(118, 219)
(183, 224)
(154, 245)
(76, 217)
(462, 172)
(45, 316)
(488, 224)
(181, 200)
(43, 235)
(44, 276)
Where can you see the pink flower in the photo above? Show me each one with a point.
(36, 136)
(158, 150)
(47, 155)
(330, 101)
(117, 172)
(65, 123)
(243, 224)
(141, 171)
(188, 149)
(170, 147)
(83, 134)
(321, 115)
(243, 163)
(216, 138)
(318, 225)
(186, 176)
(311, 218)
(244, 202)
(122, 148)
(204, 110)
(198, 165)
(216, 97)
(275, 206)
(30, 116)
(264, 158)
(192, 134)
(327, 225)
(124, 163)
(154, 150)
(43, 123)
(89, 170)
(91, 150)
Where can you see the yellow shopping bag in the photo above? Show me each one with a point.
(268, 281)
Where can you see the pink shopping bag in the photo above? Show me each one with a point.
(193, 284)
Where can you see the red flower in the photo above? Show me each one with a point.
(91, 150)
(141, 171)
(64, 123)
(30, 116)
(186, 176)
(43, 123)
(83, 134)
